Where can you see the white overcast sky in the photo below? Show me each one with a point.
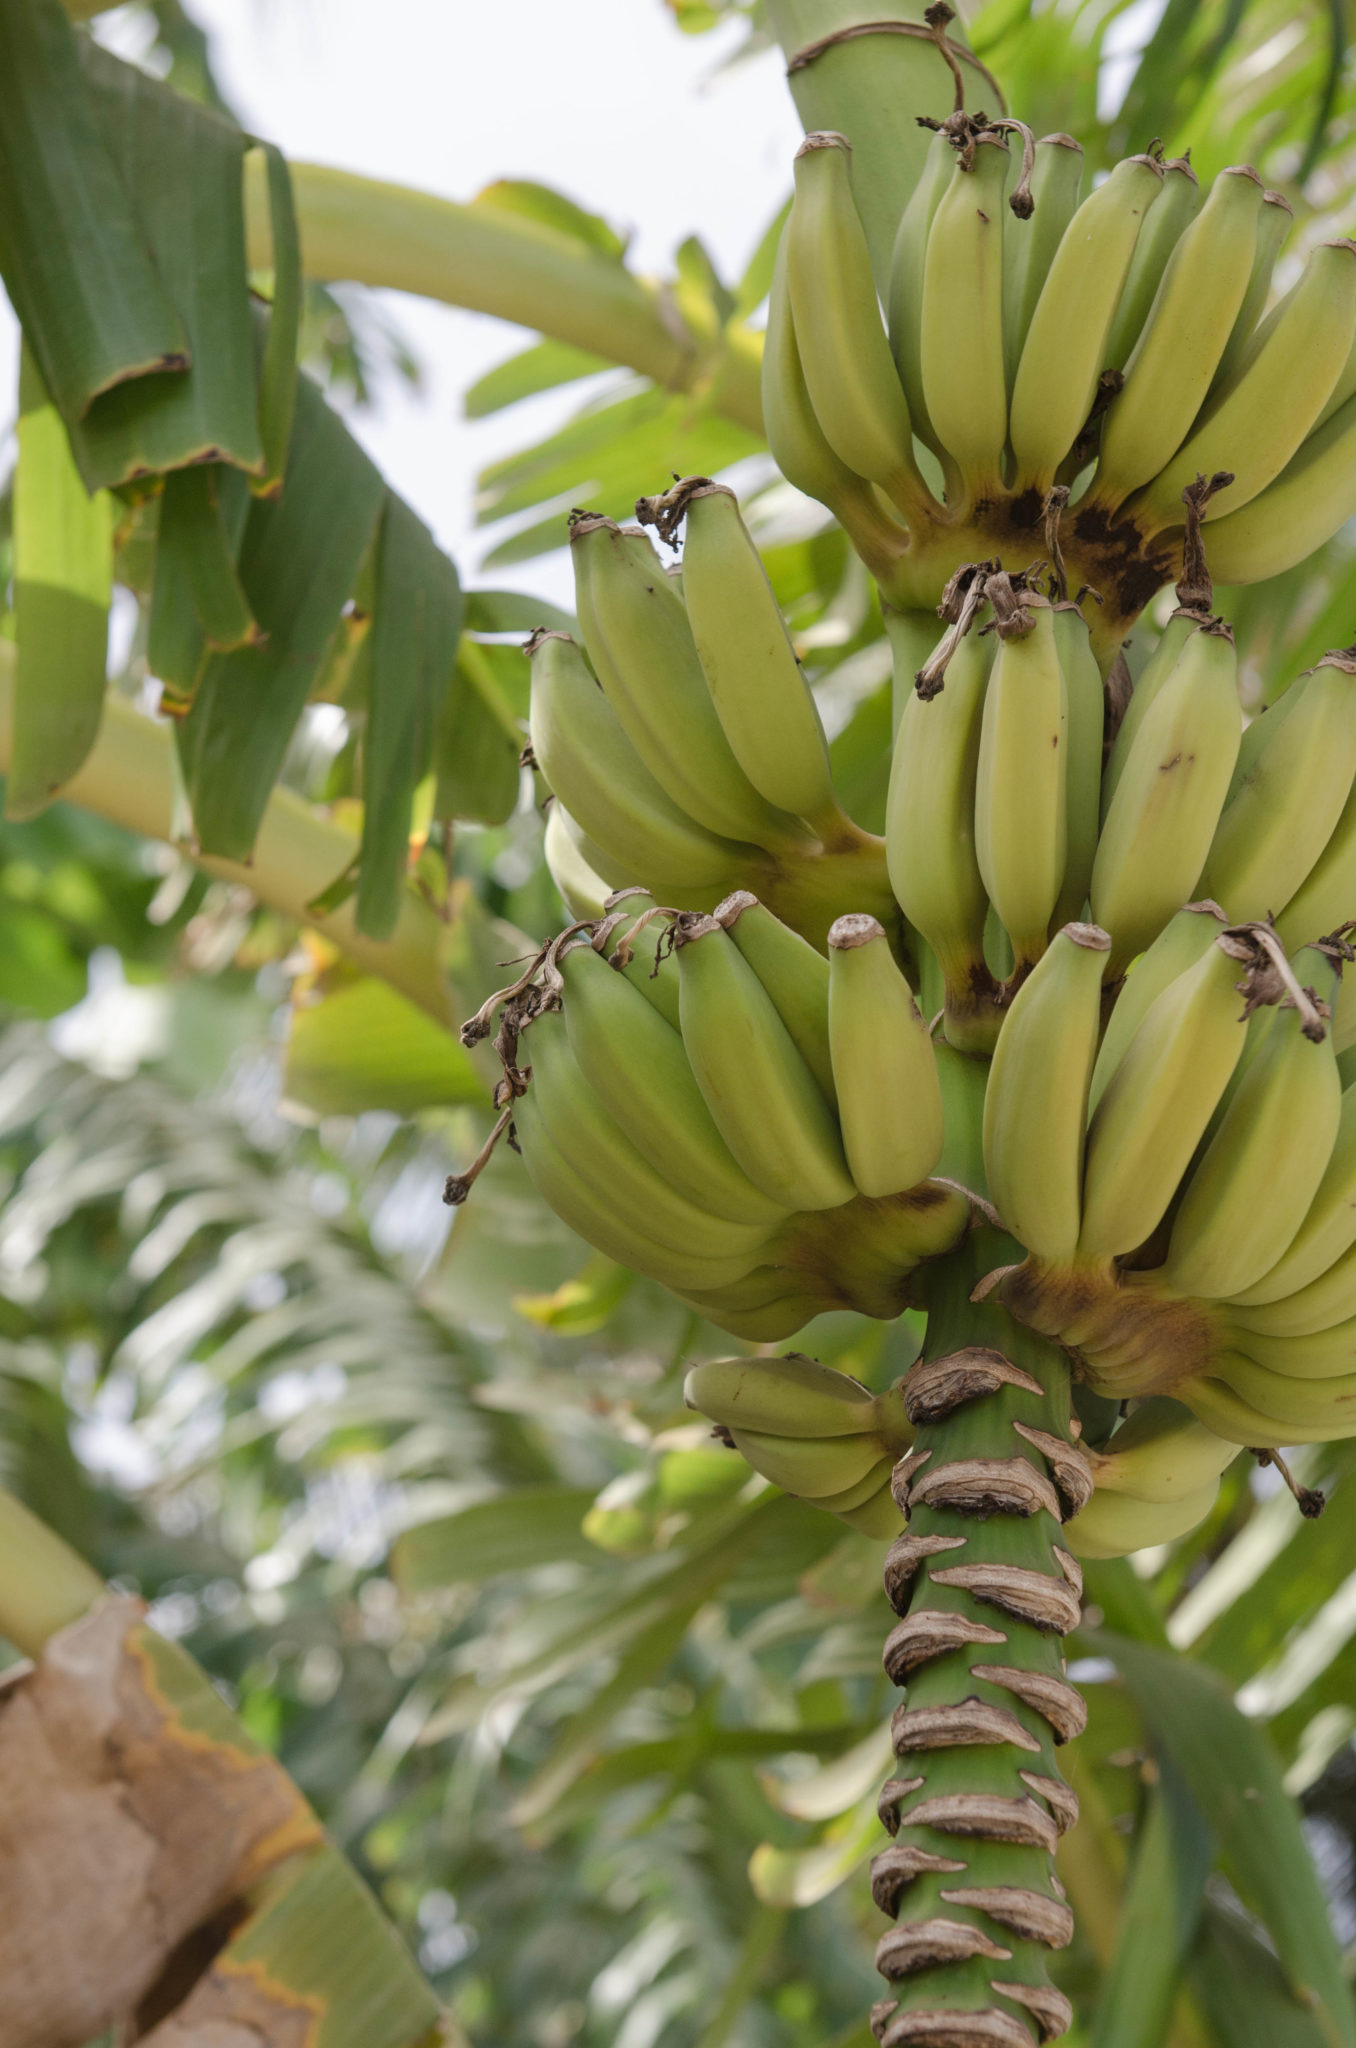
(603, 99)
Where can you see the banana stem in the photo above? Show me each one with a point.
(985, 1590)
(44, 1584)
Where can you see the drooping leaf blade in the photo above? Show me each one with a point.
(364, 1046)
(278, 371)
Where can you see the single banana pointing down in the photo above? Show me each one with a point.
(1021, 788)
(884, 1068)
(793, 974)
(961, 333)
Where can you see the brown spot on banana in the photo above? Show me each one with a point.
(930, 1632)
(987, 1817)
(955, 1725)
(937, 1386)
(1046, 1603)
(1052, 1698)
(925, 1944)
(895, 1868)
(1029, 1914)
(903, 1560)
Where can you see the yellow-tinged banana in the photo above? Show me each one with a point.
(1021, 787)
(1326, 1300)
(781, 1311)
(1326, 898)
(884, 1068)
(1326, 1401)
(1116, 1524)
(1313, 496)
(1295, 1283)
(1183, 941)
(1035, 1106)
(1181, 625)
(1248, 1196)
(1161, 1453)
(581, 890)
(1233, 1416)
(879, 1518)
(930, 811)
(1065, 350)
(638, 638)
(765, 1101)
(1178, 203)
(844, 352)
(1273, 225)
(1155, 1107)
(636, 1065)
(1284, 811)
(793, 973)
(1174, 360)
(961, 338)
(1029, 244)
(1259, 416)
(1166, 809)
(761, 696)
(1085, 704)
(603, 783)
(790, 1396)
(1328, 1353)
(905, 309)
(809, 1466)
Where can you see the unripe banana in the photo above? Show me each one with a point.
(1029, 245)
(1276, 826)
(1021, 788)
(1181, 625)
(1065, 351)
(907, 269)
(1161, 1453)
(1325, 1401)
(849, 371)
(879, 1518)
(790, 1396)
(884, 1068)
(581, 891)
(851, 1499)
(1274, 223)
(1170, 369)
(1178, 202)
(793, 974)
(1085, 703)
(1313, 496)
(1326, 898)
(1035, 1106)
(961, 337)
(1323, 1239)
(1231, 1416)
(1248, 1196)
(782, 1310)
(1328, 1299)
(809, 1466)
(1116, 1524)
(635, 1063)
(1157, 1103)
(1258, 418)
(638, 638)
(930, 812)
(1180, 945)
(761, 697)
(606, 787)
(640, 967)
(1166, 809)
(765, 1101)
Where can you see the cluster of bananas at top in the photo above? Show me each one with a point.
(1118, 343)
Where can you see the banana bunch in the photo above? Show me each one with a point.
(810, 1430)
(1118, 342)
(749, 1123)
(681, 742)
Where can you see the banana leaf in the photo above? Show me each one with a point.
(1159, 1915)
(364, 1046)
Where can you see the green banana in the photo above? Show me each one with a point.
(1035, 1105)
(1160, 1454)
(603, 783)
(765, 1101)
(809, 1466)
(766, 1307)
(1274, 223)
(879, 1518)
(1233, 1416)
(1185, 621)
(1086, 708)
(1326, 898)
(1178, 203)
(1065, 349)
(1029, 244)
(793, 974)
(1021, 787)
(581, 890)
(1322, 1241)
(1259, 416)
(1285, 810)
(844, 352)
(1313, 496)
(635, 1063)
(1249, 1194)
(1173, 362)
(1299, 1401)
(1182, 942)
(762, 699)
(790, 1396)
(1170, 794)
(884, 1068)
(907, 271)
(1327, 1299)
(1327, 1353)
(1157, 1103)
(1116, 1524)
(638, 638)
(930, 812)
(961, 318)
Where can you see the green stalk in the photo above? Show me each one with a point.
(972, 1881)
(128, 778)
(44, 1585)
(871, 87)
(496, 262)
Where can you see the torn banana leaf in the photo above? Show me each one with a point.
(365, 1046)
(197, 602)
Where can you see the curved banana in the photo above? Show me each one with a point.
(905, 309)
(1029, 245)
(1085, 703)
(790, 1396)
(1157, 1103)
(1180, 626)
(1232, 1416)
(1035, 1105)
(1313, 496)
(1248, 1196)
(1169, 797)
(961, 321)
(1308, 1266)
(762, 699)
(766, 1307)
(1326, 1300)
(1274, 223)
(1115, 1524)
(603, 783)
(1277, 824)
(1178, 202)
(583, 892)
(1065, 350)
(635, 1063)
(849, 370)
(765, 1101)
(1174, 360)
(1326, 898)
(793, 974)
(1326, 1401)
(1160, 1454)
(1183, 941)
(1259, 416)
(884, 1068)
(1021, 787)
